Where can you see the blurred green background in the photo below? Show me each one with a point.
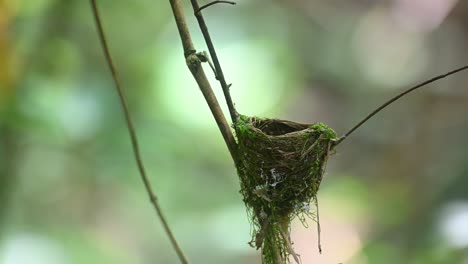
(395, 192)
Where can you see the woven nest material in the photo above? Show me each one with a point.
(280, 166)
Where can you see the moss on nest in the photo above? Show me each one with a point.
(280, 166)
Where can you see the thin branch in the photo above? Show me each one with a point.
(319, 229)
(194, 64)
(380, 108)
(133, 137)
(214, 3)
(214, 56)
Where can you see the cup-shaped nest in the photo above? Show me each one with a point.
(280, 165)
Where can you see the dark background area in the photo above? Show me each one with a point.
(395, 192)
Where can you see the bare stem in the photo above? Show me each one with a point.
(380, 108)
(133, 137)
(319, 229)
(194, 64)
(286, 236)
(214, 56)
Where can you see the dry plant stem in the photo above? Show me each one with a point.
(214, 57)
(133, 137)
(286, 237)
(396, 98)
(319, 229)
(195, 67)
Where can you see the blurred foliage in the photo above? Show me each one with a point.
(395, 192)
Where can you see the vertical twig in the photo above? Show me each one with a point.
(133, 137)
(319, 229)
(214, 56)
(194, 64)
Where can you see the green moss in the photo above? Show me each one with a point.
(280, 166)
(326, 131)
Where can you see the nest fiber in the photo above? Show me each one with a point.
(280, 166)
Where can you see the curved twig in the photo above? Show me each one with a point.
(214, 3)
(133, 137)
(380, 108)
(214, 56)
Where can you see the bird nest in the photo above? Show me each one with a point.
(280, 166)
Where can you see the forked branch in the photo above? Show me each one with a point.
(194, 64)
(392, 100)
(219, 71)
(133, 137)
